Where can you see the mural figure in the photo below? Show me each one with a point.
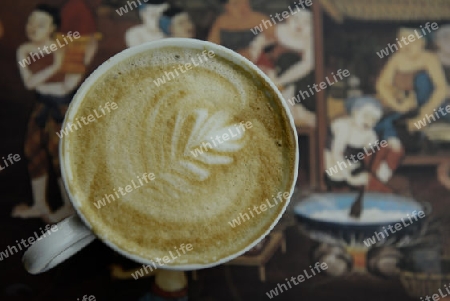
(289, 62)
(354, 134)
(149, 30)
(411, 85)
(54, 85)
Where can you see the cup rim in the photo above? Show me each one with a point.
(191, 44)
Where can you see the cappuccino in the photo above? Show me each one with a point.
(157, 129)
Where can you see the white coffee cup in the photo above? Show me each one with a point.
(75, 232)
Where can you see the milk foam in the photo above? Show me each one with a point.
(154, 130)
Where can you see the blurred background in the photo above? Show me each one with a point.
(393, 86)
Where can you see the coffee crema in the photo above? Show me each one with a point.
(156, 129)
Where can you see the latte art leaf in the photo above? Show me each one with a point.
(202, 146)
(206, 129)
(202, 151)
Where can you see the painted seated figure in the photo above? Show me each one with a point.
(411, 86)
(355, 156)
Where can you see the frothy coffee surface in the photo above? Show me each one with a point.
(157, 129)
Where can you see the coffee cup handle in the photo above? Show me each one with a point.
(52, 248)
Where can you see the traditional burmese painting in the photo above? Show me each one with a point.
(368, 86)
